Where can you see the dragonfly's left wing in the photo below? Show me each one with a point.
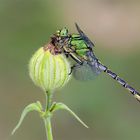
(89, 43)
(84, 72)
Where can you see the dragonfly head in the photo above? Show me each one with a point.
(60, 37)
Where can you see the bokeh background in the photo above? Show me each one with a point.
(109, 110)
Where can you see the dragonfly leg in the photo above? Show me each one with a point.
(66, 54)
(75, 66)
(79, 62)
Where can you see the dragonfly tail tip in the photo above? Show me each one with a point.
(137, 97)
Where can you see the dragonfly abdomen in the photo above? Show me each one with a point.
(122, 82)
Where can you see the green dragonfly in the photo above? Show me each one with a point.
(80, 48)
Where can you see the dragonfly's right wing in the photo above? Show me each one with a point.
(89, 70)
(89, 43)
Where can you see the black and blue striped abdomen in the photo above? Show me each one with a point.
(122, 82)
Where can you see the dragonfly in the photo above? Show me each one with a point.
(81, 49)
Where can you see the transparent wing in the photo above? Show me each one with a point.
(90, 69)
(86, 72)
(89, 43)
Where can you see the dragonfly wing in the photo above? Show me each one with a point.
(90, 69)
(89, 43)
(85, 72)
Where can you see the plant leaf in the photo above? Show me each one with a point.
(60, 106)
(31, 107)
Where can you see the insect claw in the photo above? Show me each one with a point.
(72, 69)
(70, 72)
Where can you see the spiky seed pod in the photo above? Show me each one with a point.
(49, 68)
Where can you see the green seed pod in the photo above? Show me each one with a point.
(49, 69)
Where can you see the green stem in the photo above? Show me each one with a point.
(48, 128)
(48, 101)
(47, 119)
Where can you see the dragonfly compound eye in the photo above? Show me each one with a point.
(64, 32)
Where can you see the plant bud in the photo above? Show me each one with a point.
(49, 68)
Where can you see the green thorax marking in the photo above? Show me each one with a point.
(79, 45)
(78, 42)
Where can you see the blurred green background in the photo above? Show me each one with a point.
(109, 110)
